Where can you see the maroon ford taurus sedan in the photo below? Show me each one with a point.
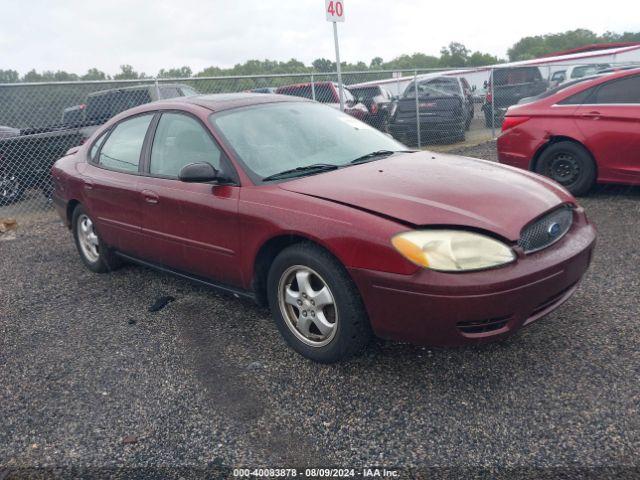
(334, 225)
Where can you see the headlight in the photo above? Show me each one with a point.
(452, 250)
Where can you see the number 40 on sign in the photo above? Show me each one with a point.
(334, 10)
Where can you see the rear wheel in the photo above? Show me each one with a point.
(94, 253)
(316, 306)
(569, 164)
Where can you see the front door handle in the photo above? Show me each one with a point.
(150, 197)
(88, 185)
(595, 115)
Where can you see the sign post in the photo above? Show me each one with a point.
(334, 10)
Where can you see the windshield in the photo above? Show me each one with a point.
(515, 76)
(583, 71)
(272, 138)
(433, 88)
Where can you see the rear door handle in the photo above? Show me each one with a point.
(150, 197)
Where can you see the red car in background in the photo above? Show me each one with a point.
(579, 134)
(327, 92)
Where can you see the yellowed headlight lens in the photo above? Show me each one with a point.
(452, 250)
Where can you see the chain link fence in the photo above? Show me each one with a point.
(39, 122)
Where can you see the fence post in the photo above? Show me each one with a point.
(313, 89)
(493, 104)
(415, 88)
(157, 88)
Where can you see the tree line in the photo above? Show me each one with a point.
(455, 55)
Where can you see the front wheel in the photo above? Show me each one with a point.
(316, 306)
(569, 164)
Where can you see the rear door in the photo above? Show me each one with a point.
(191, 227)
(609, 118)
(111, 183)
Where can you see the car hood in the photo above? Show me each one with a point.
(426, 188)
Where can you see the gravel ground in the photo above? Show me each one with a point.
(89, 378)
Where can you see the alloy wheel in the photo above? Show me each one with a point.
(308, 306)
(88, 239)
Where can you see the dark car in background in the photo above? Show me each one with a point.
(578, 135)
(326, 92)
(26, 157)
(378, 101)
(506, 87)
(446, 109)
(263, 90)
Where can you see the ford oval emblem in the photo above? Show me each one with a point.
(554, 229)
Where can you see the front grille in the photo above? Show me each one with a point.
(483, 326)
(546, 230)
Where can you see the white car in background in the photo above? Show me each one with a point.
(573, 72)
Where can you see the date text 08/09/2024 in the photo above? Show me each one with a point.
(316, 472)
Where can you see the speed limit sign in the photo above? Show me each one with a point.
(334, 10)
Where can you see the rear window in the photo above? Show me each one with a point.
(434, 87)
(515, 76)
(126, 99)
(169, 92)
(324, 93)
(103, 106)
(584, 70)
(366, 93)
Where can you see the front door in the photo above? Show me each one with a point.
(191, 227)
(610, 119)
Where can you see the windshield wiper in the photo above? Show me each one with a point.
(298, 171)
(377, 154)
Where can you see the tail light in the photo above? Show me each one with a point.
(373, 108)
(510, 122)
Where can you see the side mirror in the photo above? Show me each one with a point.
(200, 172)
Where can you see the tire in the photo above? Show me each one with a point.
(569, 164)
(345, 326)
(100, 259)
(11, 189)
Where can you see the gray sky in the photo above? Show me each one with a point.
(75, 35)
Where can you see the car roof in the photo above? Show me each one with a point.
(215, 102)
(135, 87)
(227, 101)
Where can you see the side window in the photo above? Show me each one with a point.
(121, 151)
(96, 146)
(626, 90)
(180, 140)
(585, 96)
